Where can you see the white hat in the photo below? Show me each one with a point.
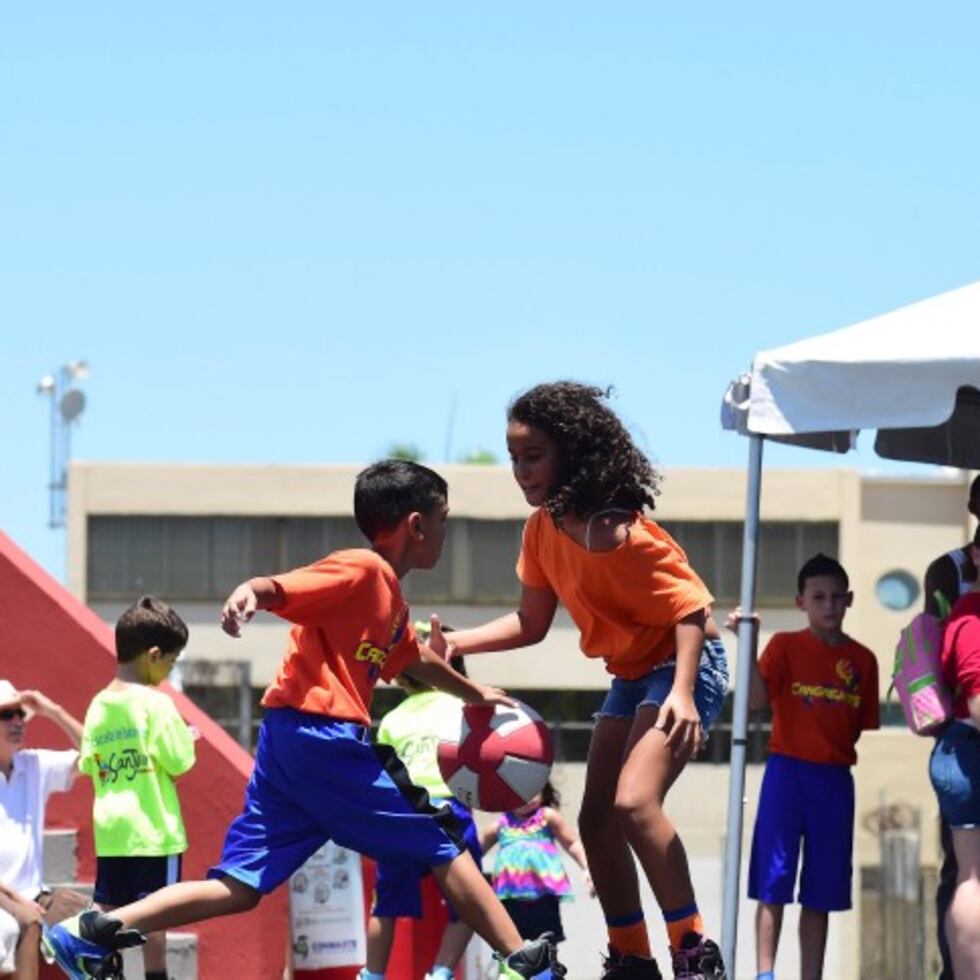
(10, 697)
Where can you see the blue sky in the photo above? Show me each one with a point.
(303, 231)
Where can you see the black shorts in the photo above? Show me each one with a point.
(536, 917)
(121, 880)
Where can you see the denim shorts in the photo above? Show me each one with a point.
(954, 768)
(710, 688)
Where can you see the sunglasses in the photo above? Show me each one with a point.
(8, 714)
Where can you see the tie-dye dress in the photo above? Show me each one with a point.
(528, 875)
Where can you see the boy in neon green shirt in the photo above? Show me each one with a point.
(134, 744)
(413, 729)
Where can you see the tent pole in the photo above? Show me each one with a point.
(740, 715)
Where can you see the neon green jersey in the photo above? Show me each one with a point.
(413, 730)
(133, 745)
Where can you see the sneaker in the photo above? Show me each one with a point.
(629, 967)
(698, 959)
(536, 960)
(77, 957)
(86, 945)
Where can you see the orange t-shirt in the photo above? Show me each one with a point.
(351, 627)
(822, 696)
(625, 602)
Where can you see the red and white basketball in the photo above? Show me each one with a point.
(501, 758)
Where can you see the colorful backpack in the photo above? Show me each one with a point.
(927, 700)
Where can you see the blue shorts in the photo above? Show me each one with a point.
(318, 779)
(810, 803)
(954, 768)
(710, 688)
(397, 888)
(121, 880)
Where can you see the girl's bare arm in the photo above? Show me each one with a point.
(525, 626)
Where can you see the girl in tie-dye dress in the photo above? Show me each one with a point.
(528, 875)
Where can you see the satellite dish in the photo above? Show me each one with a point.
(72, 404)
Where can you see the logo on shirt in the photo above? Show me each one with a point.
(377, 656)
(847, 694)
(127, 765)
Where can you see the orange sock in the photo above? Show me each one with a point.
(630, 938)
(687, 920)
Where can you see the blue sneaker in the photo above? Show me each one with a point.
(82, 959)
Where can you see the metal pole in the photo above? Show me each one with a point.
(245, 705)
(740, 716)
(53, 463)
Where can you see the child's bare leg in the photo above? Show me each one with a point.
(962, 921)
(155, 953)
(813, 943)
(649, 770)
(187, 902)
(768, 925)
(475, 903)
(380, 935)
(455, 939)
(610, 861)
(27, 959)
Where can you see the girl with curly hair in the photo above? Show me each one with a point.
(642, 609)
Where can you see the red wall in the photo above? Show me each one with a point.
(51, 641)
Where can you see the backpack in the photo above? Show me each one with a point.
(927, 700)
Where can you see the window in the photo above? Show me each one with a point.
(204, 558)
(897, 590)
(714, 549)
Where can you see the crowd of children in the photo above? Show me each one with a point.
(639, 606)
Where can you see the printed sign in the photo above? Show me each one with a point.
(326, 903)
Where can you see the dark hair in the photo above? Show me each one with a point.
(550, 796)
(149, 622)
(392, 489)
(820, 564)
(600, 464)
(973, 505)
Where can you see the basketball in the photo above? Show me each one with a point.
(500, 759)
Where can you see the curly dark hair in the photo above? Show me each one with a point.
(600, 464)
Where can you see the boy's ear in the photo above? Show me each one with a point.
(850, 599)
(415, 524)
(153, 654)
(799, 601)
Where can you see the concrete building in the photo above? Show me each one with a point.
(192, 532)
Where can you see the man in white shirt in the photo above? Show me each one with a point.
(27, 778)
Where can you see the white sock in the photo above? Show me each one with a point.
(442, 973)
(366, 974)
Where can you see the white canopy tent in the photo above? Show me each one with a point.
(914, 376)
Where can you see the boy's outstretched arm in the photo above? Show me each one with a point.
(435, 672)
(246, 600)
(525, 626)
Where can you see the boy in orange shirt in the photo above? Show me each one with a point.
(823, 689)
(317, 776)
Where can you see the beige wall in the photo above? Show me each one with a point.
(885, 524)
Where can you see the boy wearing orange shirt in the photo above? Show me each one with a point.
(823, 689)
(317, 776)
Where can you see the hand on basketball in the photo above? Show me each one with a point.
(679, 718)
(493, 695)
(438, 642)
(238, 608)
